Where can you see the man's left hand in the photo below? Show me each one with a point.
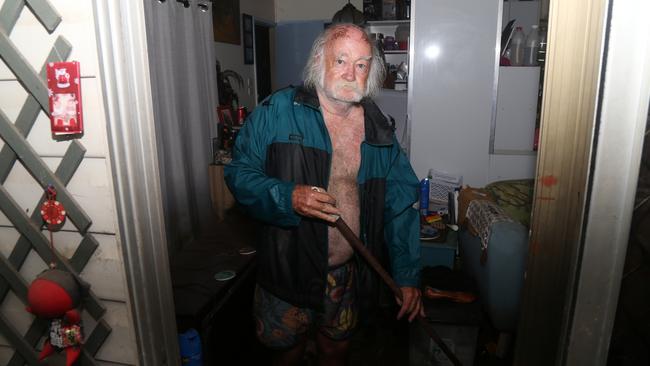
(411, 304)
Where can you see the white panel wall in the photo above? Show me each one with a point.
(91, 185)
(452, 86)
(505, 167)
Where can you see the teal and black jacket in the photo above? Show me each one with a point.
(285, 142)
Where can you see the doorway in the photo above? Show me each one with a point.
(263, 67)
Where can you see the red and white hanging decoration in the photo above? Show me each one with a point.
(52, 211)
(64, 91)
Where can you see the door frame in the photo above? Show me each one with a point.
(580, 189)
(271, 25)
(595, 104)
(127, 93)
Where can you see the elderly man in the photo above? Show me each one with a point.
(305, 156)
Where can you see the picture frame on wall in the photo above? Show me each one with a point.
(249, 32)
(225, 21)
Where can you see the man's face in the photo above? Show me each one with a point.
(347, 64)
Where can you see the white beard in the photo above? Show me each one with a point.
(337, 92)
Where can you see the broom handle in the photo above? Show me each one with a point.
(358, 246)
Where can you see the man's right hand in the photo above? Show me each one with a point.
(314, 202)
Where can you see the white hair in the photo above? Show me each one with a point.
(314, 72)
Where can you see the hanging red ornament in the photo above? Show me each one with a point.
(55, 294)
(52, 211)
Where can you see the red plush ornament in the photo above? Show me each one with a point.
(55, 295)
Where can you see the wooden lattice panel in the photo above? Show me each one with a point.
(16, 148)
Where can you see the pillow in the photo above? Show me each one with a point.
(515, 197)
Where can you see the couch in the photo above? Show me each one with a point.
(498, 264)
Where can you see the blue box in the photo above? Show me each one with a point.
(439, 254)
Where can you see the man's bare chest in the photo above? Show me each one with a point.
(346, 142)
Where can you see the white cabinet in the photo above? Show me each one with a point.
(511, 138)
(452, 86)
(512, 155)
(464, 117)
(516, 109)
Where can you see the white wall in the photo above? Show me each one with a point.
(91, 186)
(263, 9)
(231, 56)
(292, 10)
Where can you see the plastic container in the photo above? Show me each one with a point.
(531, 47)
(402, 34)
(517, 43)
(541, 52)
(441, 184)
(424, 196)
(190, 348)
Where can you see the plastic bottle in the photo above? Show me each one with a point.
(541, 52)
(517, 47)
(424, 196)
(190, 348)
(531, 47)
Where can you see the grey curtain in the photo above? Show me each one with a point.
(183, 76)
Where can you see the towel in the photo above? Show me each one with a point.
(481, 215)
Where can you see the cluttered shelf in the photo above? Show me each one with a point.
(388, 22)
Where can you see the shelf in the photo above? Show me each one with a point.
(387, 22)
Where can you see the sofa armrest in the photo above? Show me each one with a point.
(500, 278)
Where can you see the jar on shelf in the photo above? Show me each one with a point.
(402, 34)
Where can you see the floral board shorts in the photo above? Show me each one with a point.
(280, 324)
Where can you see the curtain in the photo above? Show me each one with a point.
(183, 78)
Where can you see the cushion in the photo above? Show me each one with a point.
(515, 197)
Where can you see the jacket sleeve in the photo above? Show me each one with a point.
(263, 197)
(401, 230)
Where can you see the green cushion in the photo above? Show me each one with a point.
(515, 197)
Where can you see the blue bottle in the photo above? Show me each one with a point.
(424, 196)
(190, 348)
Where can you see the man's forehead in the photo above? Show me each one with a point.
(352, 33)
(350, 47)
(345, 54)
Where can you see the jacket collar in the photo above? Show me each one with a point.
(377, 128)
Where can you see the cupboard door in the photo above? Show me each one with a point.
(452, 86)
